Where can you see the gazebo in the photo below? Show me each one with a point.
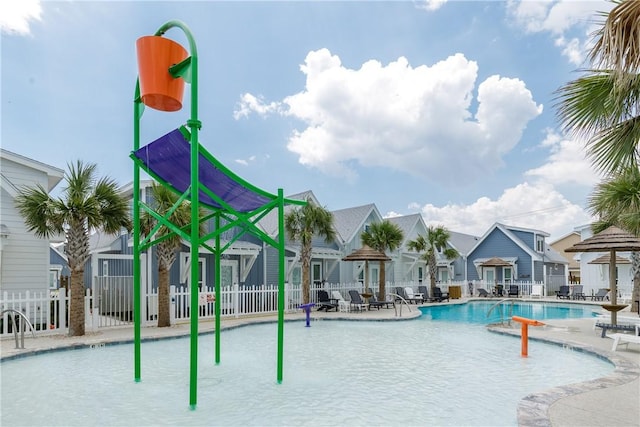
(366, 254)
(611, 240)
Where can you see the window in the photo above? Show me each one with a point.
(54, 279)
(539, 243)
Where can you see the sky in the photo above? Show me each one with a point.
(443, 108)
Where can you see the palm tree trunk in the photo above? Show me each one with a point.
(433, 265)
(76, 304)
(306, 278)
(635, 271)
(381, 288)
(164, 318)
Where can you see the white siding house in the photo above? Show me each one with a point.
(24, 258)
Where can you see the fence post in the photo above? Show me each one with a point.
(62, 308)
(172, 310)
(236, 299)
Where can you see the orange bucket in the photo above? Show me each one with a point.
(159, 89)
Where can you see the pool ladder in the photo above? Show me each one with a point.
(500, 304)
(23, 320)
(402, 301)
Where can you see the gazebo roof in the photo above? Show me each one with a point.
(606, 259)
(366, 253)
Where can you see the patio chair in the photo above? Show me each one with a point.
(577, 292)
(563, 293)
(325, 303)
(536, 291)
(498, 290)
(514, 291)
(601, 295)
(625, 339)
(483, 293)
(374, 302)
(356, 300)
(425, 293)
(417, 298)
(440, 296)
(343, 304)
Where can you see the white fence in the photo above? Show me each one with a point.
(110, 302)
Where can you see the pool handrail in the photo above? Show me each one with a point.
(23, 318)
(402, 300)
(499, 303)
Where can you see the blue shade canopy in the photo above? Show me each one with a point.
(169, 159)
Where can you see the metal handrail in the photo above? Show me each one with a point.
(402, 301)
(500, 303)
(23, 318)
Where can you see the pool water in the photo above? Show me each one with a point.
(336, 373)
(477, 311)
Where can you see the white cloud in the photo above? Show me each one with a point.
(249, 103)
(245, 162)
(560, 17)
(567, 163)
(15, 15)
(430, 5)
(413, 119)
(537, 206)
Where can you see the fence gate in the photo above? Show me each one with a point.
(112, 289)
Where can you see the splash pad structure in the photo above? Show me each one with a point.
(178, 161)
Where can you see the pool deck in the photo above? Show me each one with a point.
(609, 401)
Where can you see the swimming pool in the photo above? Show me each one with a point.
(477, 311)
(336, 373)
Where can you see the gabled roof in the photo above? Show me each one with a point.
(552, 255)
(406, 224)
(462, 242)
(564, 237)
(54, 174)
(348, 222)
(503, 228)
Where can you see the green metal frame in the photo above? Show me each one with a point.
(245, 221)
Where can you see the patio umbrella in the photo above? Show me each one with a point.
(606, 259)
(610, 240)
(366, 254)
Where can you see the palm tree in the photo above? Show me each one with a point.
(301, 225)
(164, 202)
(603, 107)
(434, 242)
(87, 204)
(616, 201)
(382, 236)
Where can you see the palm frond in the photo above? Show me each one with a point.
(617, 42)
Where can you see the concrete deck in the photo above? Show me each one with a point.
(610, 401)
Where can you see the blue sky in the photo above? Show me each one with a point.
(445, 108)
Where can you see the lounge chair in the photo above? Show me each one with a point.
(625, 339)
(601, 295)
(373, 302)
(356, 300)
(577, 292)
(418, 298)
(325, 303)
(483, 293)
(536, 291)
(343, 304)
(563, 293)
(425, 293)
(440, 296)
(514, 291)
(403, 295)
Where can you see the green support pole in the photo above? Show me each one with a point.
(281, 300)
(217, 285)
(137, 112)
